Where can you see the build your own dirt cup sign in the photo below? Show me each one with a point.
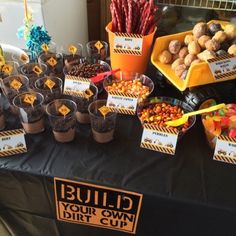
(129, 52)
(98, 206)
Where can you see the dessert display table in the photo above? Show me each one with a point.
(187, 194)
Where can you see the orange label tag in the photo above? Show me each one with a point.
(15, 84)
(37, 70)
(45, 47)
(24, 58)
(49, 83)
(64, 110)
(29, 98)
(98, 45)
(88, 93)
(72, 49)
(104, 110)
(52, 61)
(7, 69)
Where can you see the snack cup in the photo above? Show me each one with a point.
(21, 59)
(210, 136)
(134, 63)
(50, 87)
(83, 103)
(129, 76)
(105, 65)
(30, 73)
(54, 62)
(72, 54)
(172, 101)
(102, 126)
(12, 86)
(61, 113)
(30, 110)
(97, 54)
(2, 118)
(14, 65)
(220, 122)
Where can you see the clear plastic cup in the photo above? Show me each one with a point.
(21, 59)
(50, 87)
(14, 66)
(97, 54)
(61, 113)
(14, 85)
(102, 126)
(83, 103)
(70, 57)
(30, 111)
(54, 62)
(28, 70)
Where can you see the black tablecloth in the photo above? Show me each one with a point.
(185, 194)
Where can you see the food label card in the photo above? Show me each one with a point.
(75, 86)
(130, 44)
(12, 142)
(223, 67)
(98, 206)
(225, 150)
(122, 103)
(159, 139)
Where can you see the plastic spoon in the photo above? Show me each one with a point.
(184, 118)
(99, 77)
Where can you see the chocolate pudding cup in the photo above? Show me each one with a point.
(14, 65)
(102, 126)
(30, 110)
(83, 103)
(12, 86)
(72, 57)
(28, 71)
(50, 87)
(54, 68)
(96, 54)
(61, 113)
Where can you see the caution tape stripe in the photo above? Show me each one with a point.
(12, 132)
(232, 73)
(227, 139)
(76, 94)
(225, 159)
(127, 35)
(70, 77)
(158, 148)
(224, 57)
(12, 152)
(129, 52)
(122, 111)
(161, 129)
(123, 94)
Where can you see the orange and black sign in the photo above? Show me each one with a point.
(95, 205)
